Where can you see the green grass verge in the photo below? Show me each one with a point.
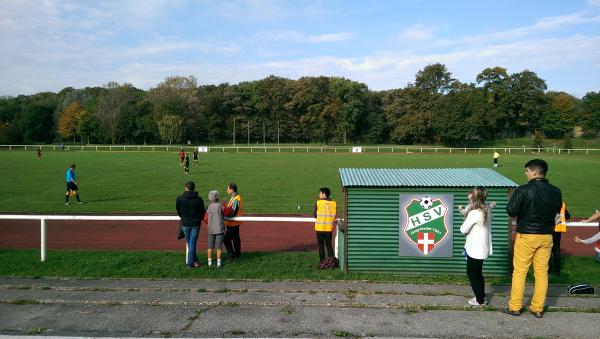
(148, 182)
(256, 265)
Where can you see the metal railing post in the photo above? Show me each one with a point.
(42, 239)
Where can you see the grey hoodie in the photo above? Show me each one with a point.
(214, 214)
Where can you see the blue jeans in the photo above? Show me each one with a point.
(191, 237)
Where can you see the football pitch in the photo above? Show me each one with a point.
(271, 183)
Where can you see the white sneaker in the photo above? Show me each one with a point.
(473, 302)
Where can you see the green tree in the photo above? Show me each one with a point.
(559, 117)
(170, 128)
(434, 79)
(459, 117)
(526, 101)
(88, 126)
(111, 103)
(496, 86)
(591, 114)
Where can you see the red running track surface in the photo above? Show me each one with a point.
(162, 235)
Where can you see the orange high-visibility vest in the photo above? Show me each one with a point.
(239, 213)
(326, 210)
(562, 224)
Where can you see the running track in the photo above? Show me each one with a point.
(161, 235)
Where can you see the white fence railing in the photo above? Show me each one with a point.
(43, 218)
(305, 149)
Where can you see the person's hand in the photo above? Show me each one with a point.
(461, 208)
(493, 204)
(578, 240)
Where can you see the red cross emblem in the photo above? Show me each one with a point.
(425, 242)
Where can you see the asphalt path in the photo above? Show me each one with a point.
(209, 308)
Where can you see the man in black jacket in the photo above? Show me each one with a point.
(190, 208)
(535, 205)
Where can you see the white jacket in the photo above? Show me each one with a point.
(478, 243)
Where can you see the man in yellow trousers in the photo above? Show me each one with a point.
(535, 205)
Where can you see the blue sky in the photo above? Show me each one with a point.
(52, 44)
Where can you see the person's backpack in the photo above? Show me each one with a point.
(580, 289)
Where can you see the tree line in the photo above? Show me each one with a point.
(435, 108)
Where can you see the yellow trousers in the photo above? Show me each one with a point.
(536, 249)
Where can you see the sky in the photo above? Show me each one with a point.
(48, 45)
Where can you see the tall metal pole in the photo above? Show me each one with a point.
(248, 132)
(264, 133)
(277, 133)
(234, 131)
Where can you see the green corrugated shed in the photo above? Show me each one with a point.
(371, 207)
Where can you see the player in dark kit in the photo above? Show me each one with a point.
(186, 164)
(195, 157)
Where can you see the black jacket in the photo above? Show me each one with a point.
(535, 205)
(190, 208)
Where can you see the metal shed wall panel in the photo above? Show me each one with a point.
(373, 232)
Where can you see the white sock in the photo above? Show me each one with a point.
(210, 262)
(218, 262)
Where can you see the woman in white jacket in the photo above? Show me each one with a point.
(478, 244)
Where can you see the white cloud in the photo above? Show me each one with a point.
(299, 37)
(417, 32)
(330, 37)
(544, 25)
(594, 3)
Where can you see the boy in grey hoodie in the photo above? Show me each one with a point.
(216, 227)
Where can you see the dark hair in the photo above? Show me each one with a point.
(73, 166)
(232, 186)
(538, 164)
(325, 190)
(190, 185)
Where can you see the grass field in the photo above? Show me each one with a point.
(148, 182)
(261, 266)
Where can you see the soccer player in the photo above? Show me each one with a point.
(38, 153)
(496, 156)
(181, 156)
(195, 156)
(72, 188)
(186, 164)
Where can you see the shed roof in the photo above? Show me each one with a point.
(423, 177)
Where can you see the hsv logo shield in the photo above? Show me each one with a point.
(426, 225)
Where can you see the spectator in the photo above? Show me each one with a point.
(324, 212)
(232, 240)
(38, 153)
(190, 208)
(593, 239)
(478, 243)
(559, 229)
(535, 206)
(216, 227)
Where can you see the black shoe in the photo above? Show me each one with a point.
(538, 315)
(506, 310)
